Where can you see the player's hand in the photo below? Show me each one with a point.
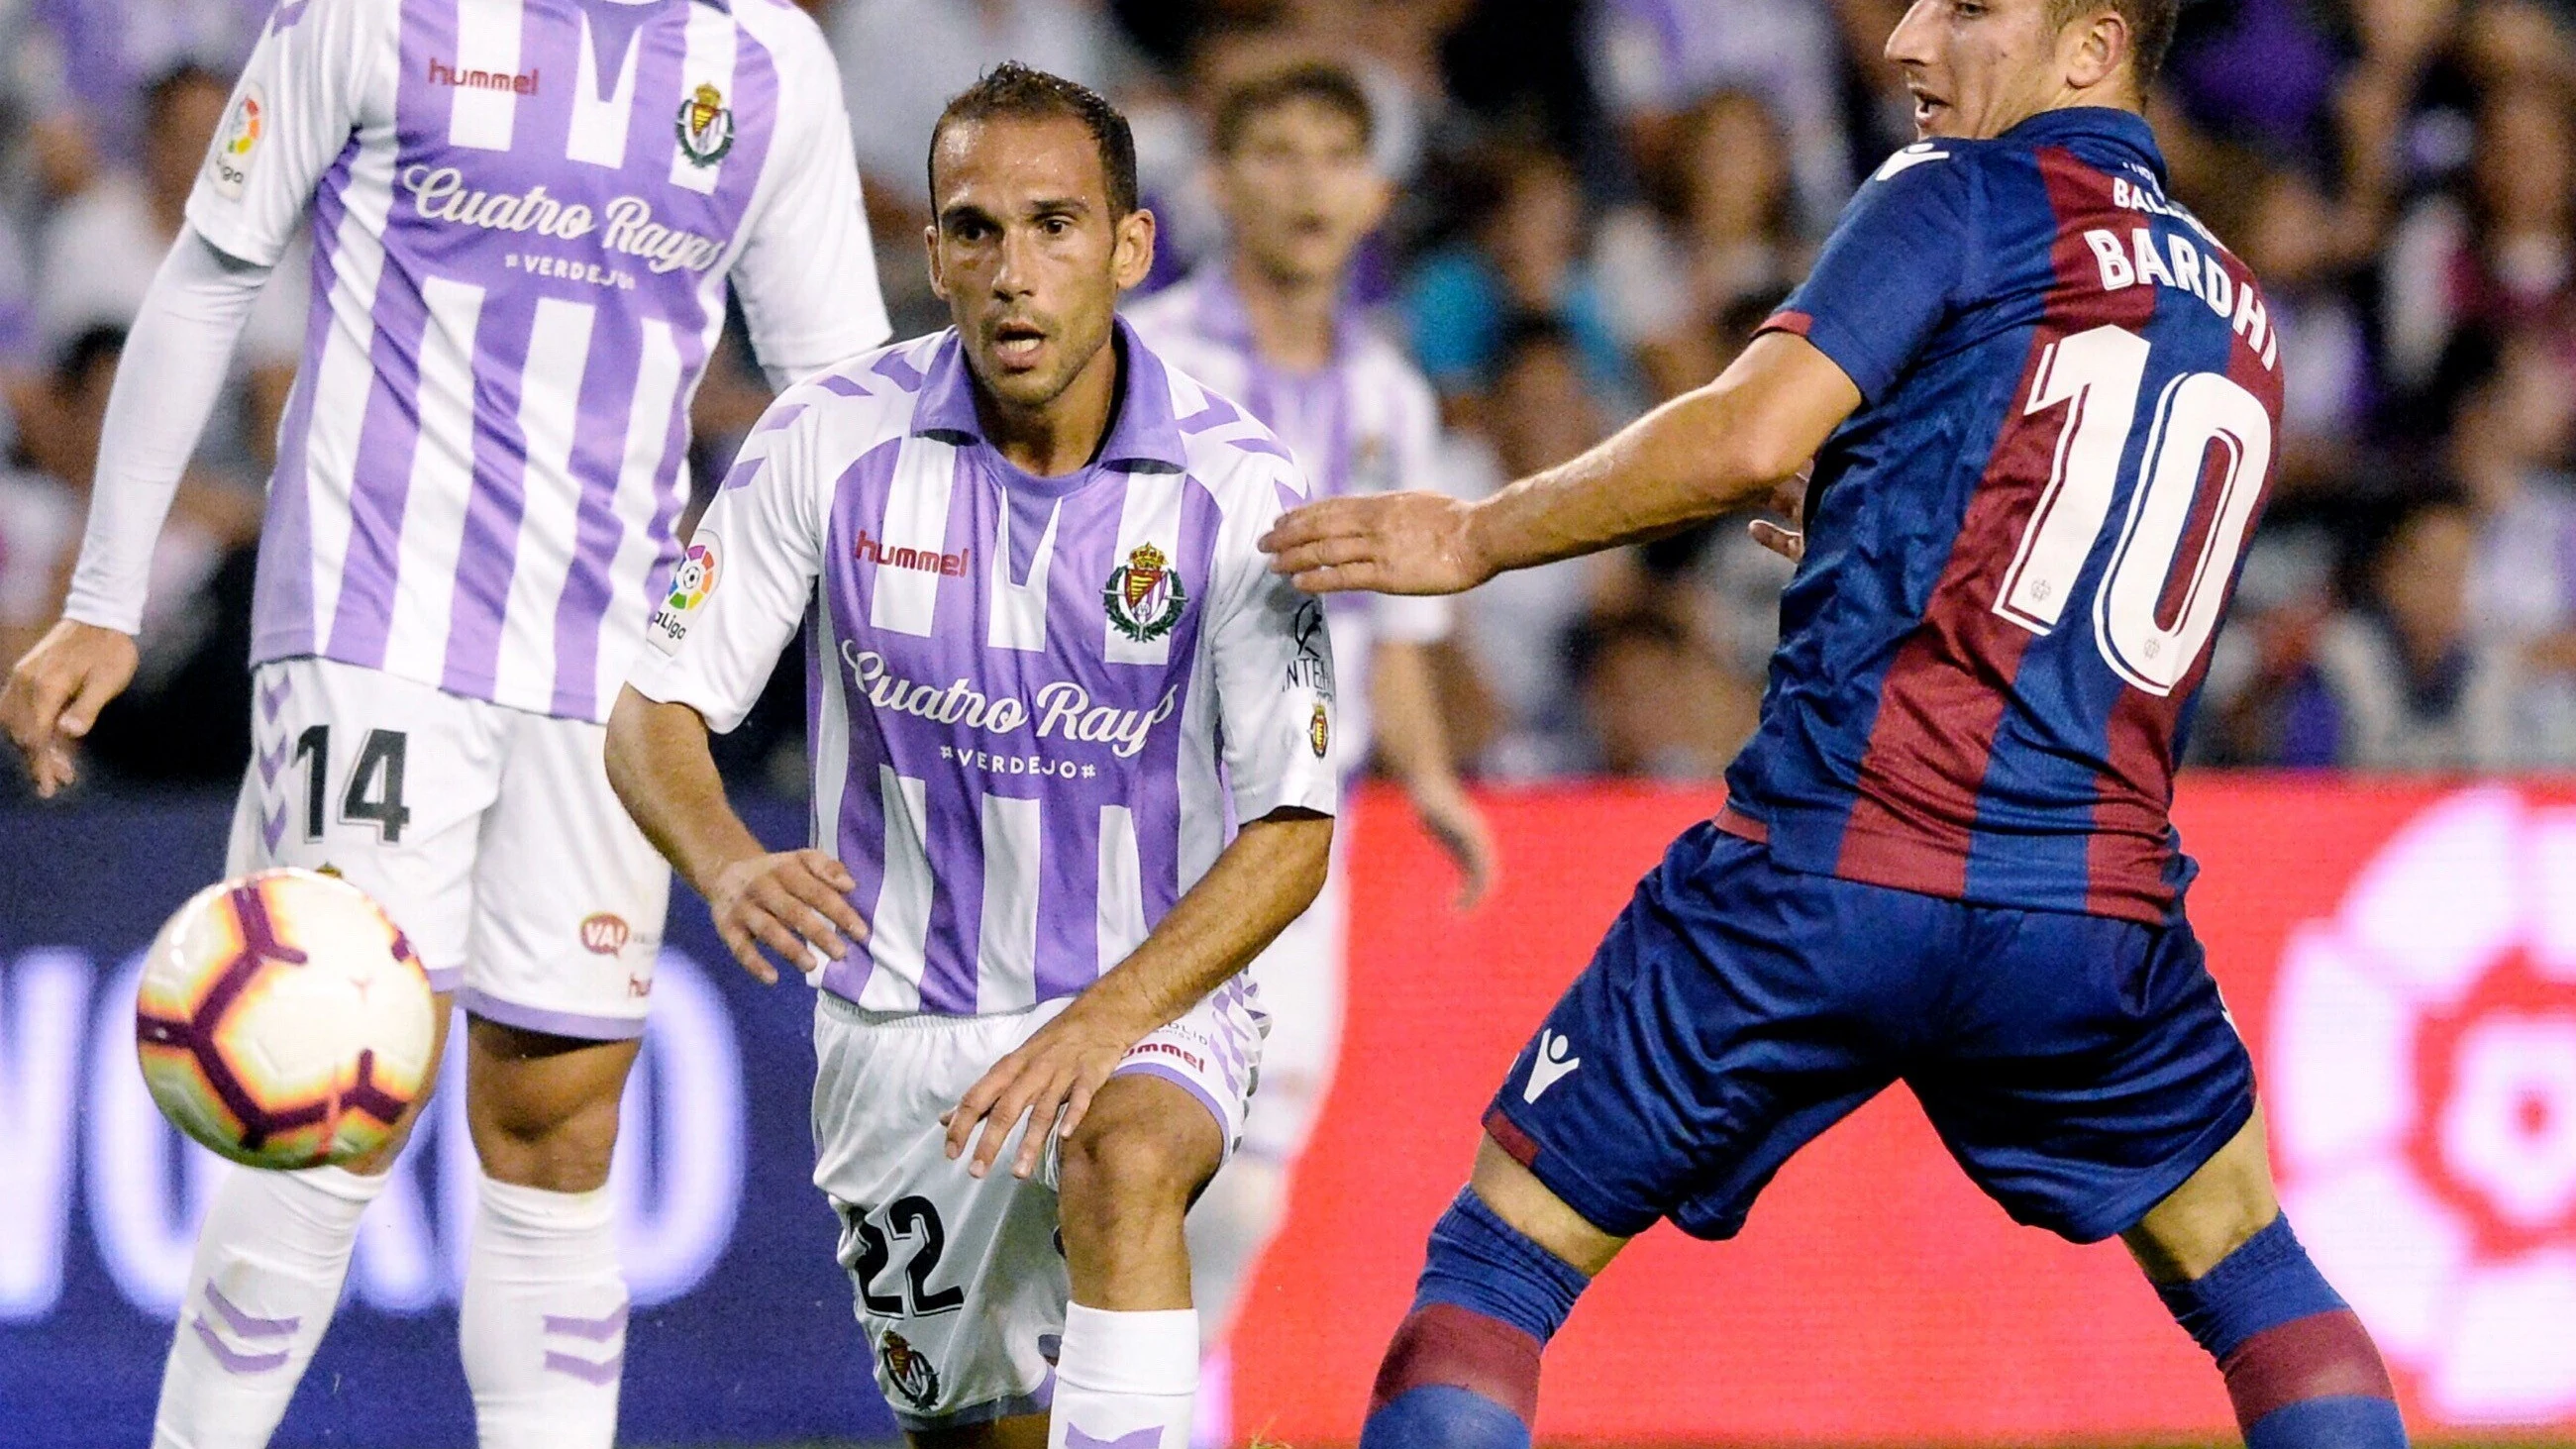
(1458, 827)
(1056, 1069)
(55, 693)
(1393, 543)
(1789, 500)
(795, 902)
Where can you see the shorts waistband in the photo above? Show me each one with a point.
(850, 1011)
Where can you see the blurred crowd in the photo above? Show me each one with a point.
(1600, 200)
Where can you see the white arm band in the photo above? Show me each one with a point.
(176, 357)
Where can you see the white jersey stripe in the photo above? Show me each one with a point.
(831, 746)
(1150, 514)
(906, 601)
(1020, 610)
(1006, 952)
(345, 375)
(648, 430)
(487, 40)
(558, 346)
(599, 126)
(899, 927)
(442, 478)
(712, 41)
(1122, 886)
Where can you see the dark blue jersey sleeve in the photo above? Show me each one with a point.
(1887, 277)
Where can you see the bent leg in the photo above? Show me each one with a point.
(543, 1323)
(1130, 1359)
(2301, 1370)
(1505, 1265)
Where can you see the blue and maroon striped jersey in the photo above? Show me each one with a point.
(2021, 544)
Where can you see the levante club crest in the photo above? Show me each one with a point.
(705, 126)
(1144, 595)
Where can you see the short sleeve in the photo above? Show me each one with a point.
(744, 579)
(807, 275)
(300, 98)
(1890, 273)
(1272, 661)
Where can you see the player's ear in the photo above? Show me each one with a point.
(2093, 50)
(930, 243)
(1133, 257)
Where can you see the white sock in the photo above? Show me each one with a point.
(1229, 1226)
(266, 1277)
(1125, 1380)
(543, 1324)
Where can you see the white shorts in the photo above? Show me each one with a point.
(961, 1282)
(489, 834)
(1301, 976)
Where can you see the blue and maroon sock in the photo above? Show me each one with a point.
(2301, 1370)
(1462, 1372)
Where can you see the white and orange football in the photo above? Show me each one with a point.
(283, 1020)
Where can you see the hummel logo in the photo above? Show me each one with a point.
(1551, 1063)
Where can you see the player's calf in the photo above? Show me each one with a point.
(1463, 1370)
(2301, 1370)
(1127, 1372)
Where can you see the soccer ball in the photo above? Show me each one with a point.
(283, 1020)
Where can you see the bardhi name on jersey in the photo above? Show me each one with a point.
(2017, 559)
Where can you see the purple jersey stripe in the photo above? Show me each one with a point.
(388, 440)
(491, 543)
(598, 458)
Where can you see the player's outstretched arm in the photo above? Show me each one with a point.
(1702, 454)
(1263, 880)
(795, 902)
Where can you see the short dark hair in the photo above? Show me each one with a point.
(1320, 81)
(164, 87)
(2151, 27)
(1026, 93)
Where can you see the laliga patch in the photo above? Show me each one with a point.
(691, 584)
(237, 144)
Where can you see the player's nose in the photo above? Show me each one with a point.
(1907, 44)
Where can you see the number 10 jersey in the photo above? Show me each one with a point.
(2020, 546)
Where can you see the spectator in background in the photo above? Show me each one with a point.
(2510, 436)
(1653, 60)
(2505, 255)
(1722, 238)
(1528, 254)
(186, 717)
(2287, 235)
(2401, 680)
(99, 252)
(1655, 704)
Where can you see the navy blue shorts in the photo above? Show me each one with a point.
(2078, 1067)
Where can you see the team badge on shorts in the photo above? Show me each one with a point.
(910, 1372)
(1319, 732)
(1144, 595)
(604, 933)
(705, 125)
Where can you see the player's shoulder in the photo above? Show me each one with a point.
(798, 53)
(1384, 366)
(864, 398)
(1224, 449)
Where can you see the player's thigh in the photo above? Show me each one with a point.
(1727, 1018)
(2085, 1067)
(1300, 980)
(2224, 1203)
(379, 780)
(569, 896)
(958, 1281)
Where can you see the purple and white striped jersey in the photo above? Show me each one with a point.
(1037, 705)
(524, 215)
(1367, 422)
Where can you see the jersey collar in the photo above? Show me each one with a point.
(2107, 124)
(1145, 439)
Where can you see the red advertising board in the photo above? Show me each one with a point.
(2401, 958)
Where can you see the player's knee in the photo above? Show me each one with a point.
(1129, 1166)
(544, 1145)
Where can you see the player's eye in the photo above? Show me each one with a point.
(1057, 225)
